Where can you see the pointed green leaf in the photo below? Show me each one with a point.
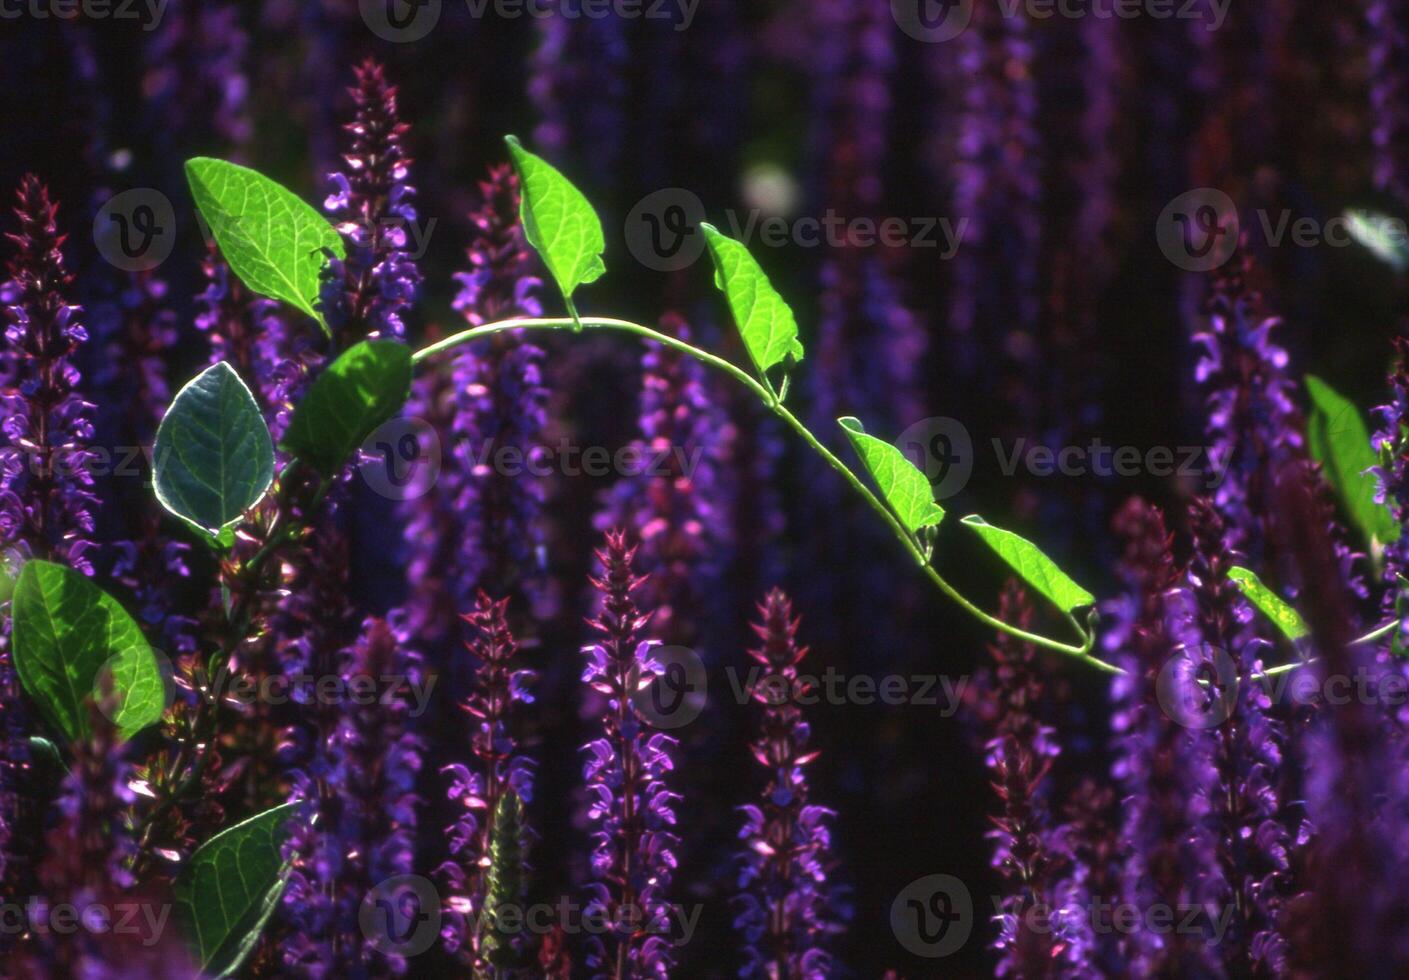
(214, 458)
(558, 221)
(764, 320)
(359, 391)
(67, 633)
(1382, 235)
(903, 486)
(1269, 603)
(1338, 440)
(274, 241)
(1035, 568)
(229, 889)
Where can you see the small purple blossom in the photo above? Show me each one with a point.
(786, 912)
(629, 801)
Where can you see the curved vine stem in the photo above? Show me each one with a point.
(774, 404)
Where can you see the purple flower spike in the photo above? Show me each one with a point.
(360, 811)
(498, 769)
(372, 204)
(628, 800)
(46, 500)
(786, 912)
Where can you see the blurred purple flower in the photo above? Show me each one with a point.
(786, 915)
(359, 816)
(629, 802)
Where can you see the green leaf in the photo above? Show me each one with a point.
(1269, 603)
(359, 391)
(274, 241)
(1339, 441)
(902, 484)
(558, 222)
(764, 319)
(213, 453)
(1036, 569)
(230, 887)
(1382, 235)
(67, 632)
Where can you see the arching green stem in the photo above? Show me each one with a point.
(774, 404)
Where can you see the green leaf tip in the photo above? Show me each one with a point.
(68, 635)
(764, 319)
(1338, 439)
(213, 455)
(272, 239)
(1269, 603)
(903, 485)
(1033, 565)
(559, 222)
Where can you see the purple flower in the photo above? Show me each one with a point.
(195, 78)
(1159, 763)
(483, 528)
(366, 294)
(499, 768)
(786, 914)
(46, 501)
(1241, 803)
(677, 500)
(633, 852)
(1388, 73)
(1393, 487)
(359, 818)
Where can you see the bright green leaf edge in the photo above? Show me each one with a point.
(764, 319)
(1030, 562)
(1339, 440)
(905, 488)
(1269, 603)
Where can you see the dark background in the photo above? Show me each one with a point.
(1065, 137)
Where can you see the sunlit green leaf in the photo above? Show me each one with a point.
(1035, 568)
(1339, 441)
(214, 458)
(68, 633)
(558, 221)
(765, 321)
(1269, 603)
(1383, 236)
(273, 240)
(230, 887)
(359, 391)
(903, 486)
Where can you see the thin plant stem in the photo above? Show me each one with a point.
(774, 404)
